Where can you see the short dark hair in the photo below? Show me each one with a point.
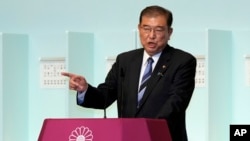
(155, 10)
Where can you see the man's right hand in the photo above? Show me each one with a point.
(76, 82)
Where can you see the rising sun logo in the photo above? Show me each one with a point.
(81, 134)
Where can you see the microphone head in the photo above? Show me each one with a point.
(159, 74)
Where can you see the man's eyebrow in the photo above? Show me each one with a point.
(154, 26)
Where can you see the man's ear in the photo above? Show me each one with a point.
(170, 30)
(138, 27)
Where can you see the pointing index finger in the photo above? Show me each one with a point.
(67, 74)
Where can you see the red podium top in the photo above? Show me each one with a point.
(114, 129)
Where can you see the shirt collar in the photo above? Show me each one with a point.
(146, 56)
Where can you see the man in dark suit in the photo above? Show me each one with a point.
(169, 85)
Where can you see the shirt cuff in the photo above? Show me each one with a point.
(80, 97)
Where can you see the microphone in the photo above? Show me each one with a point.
(104, 110)
(106, 98)
(107, 88)
(122, 75)
(159, 74)
(106, 94)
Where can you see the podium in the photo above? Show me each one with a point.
(114, 129)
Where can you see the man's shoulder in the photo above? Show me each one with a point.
(131, 53)
(179, 52)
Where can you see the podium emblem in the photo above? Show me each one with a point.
(81, 134)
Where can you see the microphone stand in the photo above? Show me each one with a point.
(122, 74)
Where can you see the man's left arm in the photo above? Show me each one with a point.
(181, 90)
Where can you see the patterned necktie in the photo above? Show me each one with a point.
(144, 81)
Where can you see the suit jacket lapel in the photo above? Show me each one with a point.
(158, 73)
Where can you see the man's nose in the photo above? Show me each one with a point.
(152, 33)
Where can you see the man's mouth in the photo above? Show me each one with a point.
(151, 44)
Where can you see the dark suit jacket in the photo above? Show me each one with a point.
(167, 95)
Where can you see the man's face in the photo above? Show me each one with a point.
(154, 34)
